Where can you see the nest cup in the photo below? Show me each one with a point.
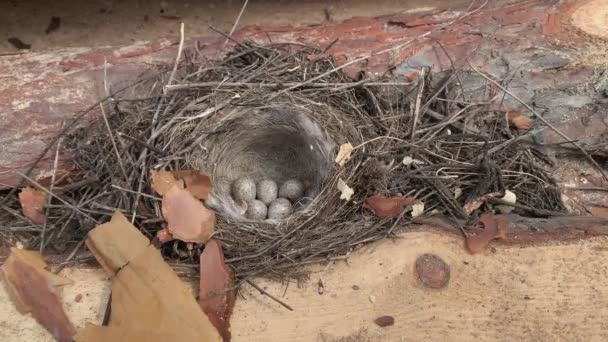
(271, 143)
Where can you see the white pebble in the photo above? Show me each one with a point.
(243, 189)
(256, 210)
(292, 189)
(279, 209)
(267, 191)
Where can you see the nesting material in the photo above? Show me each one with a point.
(280, 111)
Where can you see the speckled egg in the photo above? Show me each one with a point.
(279, 209)
(243, 189)
(292, 189)
(267, 191)
(256, 210)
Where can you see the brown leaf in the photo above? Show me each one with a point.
(149, 301)
(32, 289)
(32, 204)
(383, 206)
(162, 181)
(518, 120)
(187, 218)
(494, 227)
(198, 184)
(216, 296)
(475, 203)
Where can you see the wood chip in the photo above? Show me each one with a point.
(32, 288)
(162, 181)
(198, 184)
(518, 120)
(344, 154)
(346, 192)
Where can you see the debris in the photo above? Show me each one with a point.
(408, 161)
(598, 181)
(474, 204)
(599, 211)
(355, 287)
(149, 301)
(53, 25)
(509, 197)
(320, 287)
(32, 288)
(518, 120)
(217, 295)
(383, 206)
(457, 193)
(164, 235)
(19, 44)
(417, 209)
(78, 298)
(32, 204)
(495, 227)
(187, 218)
(384, 321)
(372, 299)
(344, 154)
(346, 191)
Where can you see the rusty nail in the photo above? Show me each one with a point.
(432, 272)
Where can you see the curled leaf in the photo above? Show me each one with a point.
(383, 206)
(32, 204)
(187, 218)
(217, 295)
(494, 227)
(197, 183)
(518, 120)
(344, 153)
(32, 288)
(346, 191)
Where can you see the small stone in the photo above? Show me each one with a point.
(292, 189)
(432, 271)
(267, 191)
(384, 321)
(279, 209)
(243, 189)
(256, 210)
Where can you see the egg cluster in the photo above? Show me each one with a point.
(265, 199)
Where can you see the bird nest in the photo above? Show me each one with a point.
(282, 111)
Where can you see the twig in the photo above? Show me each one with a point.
(105, 120)
(263, 292)
(142, 143)
(535, 211)
(48, 200)
(421, 78)
(187, 86)
(136, 193)
(586, 188)
(179, 54)
(236, 22)
(539, 117)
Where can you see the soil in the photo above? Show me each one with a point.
(113, 22)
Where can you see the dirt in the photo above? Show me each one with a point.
(113, 22)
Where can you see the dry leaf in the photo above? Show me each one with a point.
(162, 181)
(216, 296)
(474, 204)
(32, 204)
(344, 153)
(383, 206)
(417, 209)
(518, 120)
(198, 184)
(494, 227)
(346, 192)
(32, 289)
(187, 218)
(149, 301)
